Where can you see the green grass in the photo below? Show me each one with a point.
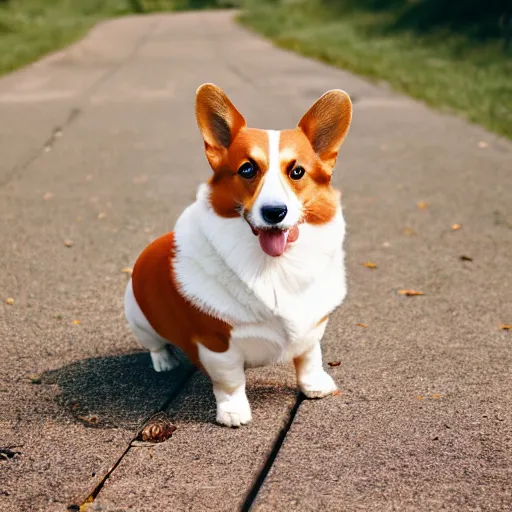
(32, 28)
(454, 70)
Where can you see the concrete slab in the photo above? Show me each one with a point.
(120, 173)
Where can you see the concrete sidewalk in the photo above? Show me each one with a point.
(99, 155)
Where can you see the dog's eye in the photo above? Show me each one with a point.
(297, 173)
(248, 170)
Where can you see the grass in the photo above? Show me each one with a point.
(32, 28)
(453, 69)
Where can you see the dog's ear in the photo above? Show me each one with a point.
(326, 123)
(218, 120)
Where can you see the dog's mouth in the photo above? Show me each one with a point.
(274, 242)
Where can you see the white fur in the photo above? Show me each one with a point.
(161, 352)
(273, 304)
(275, 191)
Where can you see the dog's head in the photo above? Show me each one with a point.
(275, 180)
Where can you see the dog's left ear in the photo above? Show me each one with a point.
(326, 123)
(218, 120)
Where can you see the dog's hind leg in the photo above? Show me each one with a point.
(161, 352)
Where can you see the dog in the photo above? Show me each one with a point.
(255, 266)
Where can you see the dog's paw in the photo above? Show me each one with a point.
(318, 385)
(164, 360)
(234, 412)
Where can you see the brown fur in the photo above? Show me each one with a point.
(173, 317)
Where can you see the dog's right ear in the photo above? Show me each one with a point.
(218, 120)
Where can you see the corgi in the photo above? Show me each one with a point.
(255, 266)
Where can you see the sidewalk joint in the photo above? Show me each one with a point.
(262, 475)
(92, 496)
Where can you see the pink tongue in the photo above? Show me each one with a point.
(273, 242)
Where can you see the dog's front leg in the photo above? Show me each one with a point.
(312, 379)
(226, 370)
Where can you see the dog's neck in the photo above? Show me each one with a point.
(272, 280)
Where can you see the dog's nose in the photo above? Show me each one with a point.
(274, 214)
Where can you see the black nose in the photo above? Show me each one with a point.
(274, 214)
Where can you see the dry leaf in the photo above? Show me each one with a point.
(506, 327)
(76, 322)
(435, 396)
(456, 227)
(420, 397)
(410, 293)
(157, 429)
(336, 392)
(101, 215)
(127, 270)
(483, 145)
(34, 379)
(334, 363)
(91, 420)
(422, 205)
(68, 243)
(370, 264)
(408, 231)
(140, 180)
(362, 325)
(10, 301)
(466, 258)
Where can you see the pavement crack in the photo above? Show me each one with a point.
(56, 133)
(75, 111)
(267, 466)
(172, 396)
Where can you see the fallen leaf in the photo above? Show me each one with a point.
(48, 196)
(408, 231)
(68, 243)
(362, 325)
(34, 379)
(101, 215)
(483, 145)
(410, 293)
(10, 301)
(76, 322)
(466, 258)
(91, 420)
(336, 392)
(334, 363)
(157, 429)
(7, 452)
(422, 205)
(506, 327)
(420, 397)
(127, 270)
(435, 396)
(456, 227)
(370, 264)
(140, 180)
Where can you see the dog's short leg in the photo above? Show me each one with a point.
(226, 370)
(162, 355)
(312, 379)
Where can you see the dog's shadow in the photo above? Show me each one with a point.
(121, 391)
(118, 391)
